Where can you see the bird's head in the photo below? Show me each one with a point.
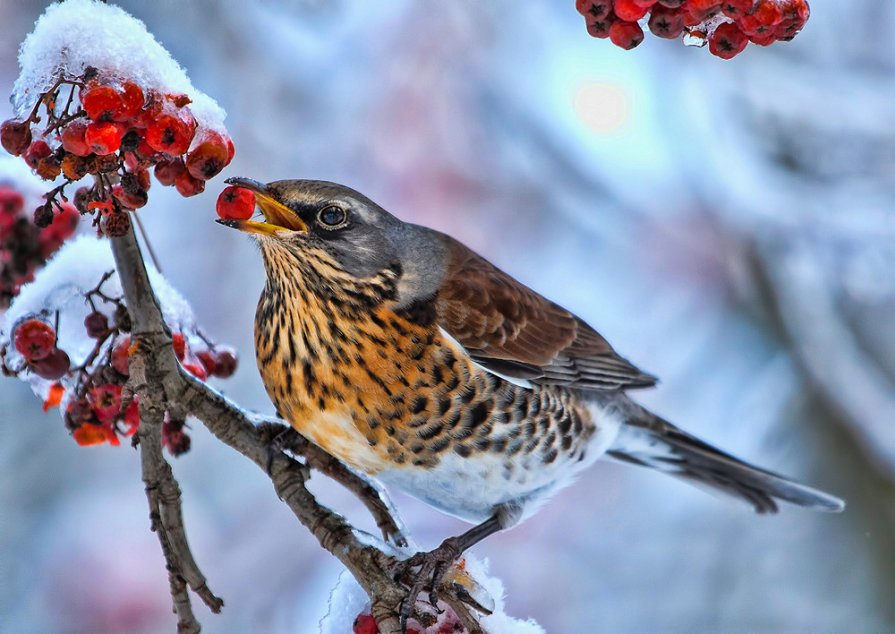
(320, 224)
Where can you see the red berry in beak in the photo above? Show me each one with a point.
(237, 203)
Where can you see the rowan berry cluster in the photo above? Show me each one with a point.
(116, 131)
(726, 26)
(97, 408)
(25, 246)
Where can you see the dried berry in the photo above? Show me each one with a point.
(97, 325)
(53, 366)
(115, 224)
(15, 136)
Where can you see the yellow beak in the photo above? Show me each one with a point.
(277, 216)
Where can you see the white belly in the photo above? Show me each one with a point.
(470, 488)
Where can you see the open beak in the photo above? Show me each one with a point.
(277, 216)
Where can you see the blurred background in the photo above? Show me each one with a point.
(729, 226)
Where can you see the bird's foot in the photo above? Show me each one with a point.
(426, 571)
(280, 437)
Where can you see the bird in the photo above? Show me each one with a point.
(413, 359)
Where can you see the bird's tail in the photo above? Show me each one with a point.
(649, 441)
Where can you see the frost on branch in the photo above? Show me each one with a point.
(67, 336)
(727, 26)
(349, 607)
(98, 95)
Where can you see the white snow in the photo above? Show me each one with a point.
(72, 35)
(348, 600)
(60, 286)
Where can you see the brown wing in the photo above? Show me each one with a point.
(508, 328)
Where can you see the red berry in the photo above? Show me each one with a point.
(600, 27)
(365, 624)
(194, 366)
(130, 199)
(224, 363)
(132, 417)
(34, 339)
(629, 10)
(767, 13)
(206, 358)
(106, 402)
(11, 202)
(73, 138)
(62, 226)
(103, 137)
(703, 9)
(132, 100)
(53, 366)
(101, 102)
(667, 23)
(179, 343)
(174, 439)
(97, 325)
(727, 41)
(120, 354)
(208, 158)
(236, 203)
(36, 152)
(231, 149)
(187, 185)
(167, 170)
(736, 8)
(15, 136)
(626, 35)
(170, 134)
(594, 9)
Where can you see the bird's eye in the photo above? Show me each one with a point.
(332, 217)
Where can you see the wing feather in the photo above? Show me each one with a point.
(504, 324)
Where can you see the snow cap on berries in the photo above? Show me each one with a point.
(75, 35)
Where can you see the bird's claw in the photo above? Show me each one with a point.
(278, 444)
(431, 566)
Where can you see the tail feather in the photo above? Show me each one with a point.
(653, 442)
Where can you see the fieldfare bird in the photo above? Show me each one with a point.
(408, 356)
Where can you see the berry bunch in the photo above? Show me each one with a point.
(114, 130)
(24, 245)
(96, 406)
(727, 26)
